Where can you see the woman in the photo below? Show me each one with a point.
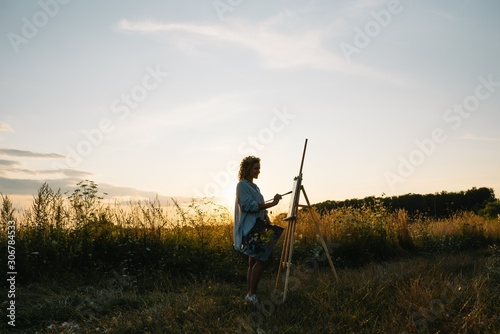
(248, 207)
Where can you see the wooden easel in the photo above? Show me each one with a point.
(286, 254)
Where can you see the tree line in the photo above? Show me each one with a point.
(481, 201)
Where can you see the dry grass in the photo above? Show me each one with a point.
(446, 294)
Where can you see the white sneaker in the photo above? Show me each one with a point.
(252, 299)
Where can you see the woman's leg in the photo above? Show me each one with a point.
(251, 263)
(254, 274)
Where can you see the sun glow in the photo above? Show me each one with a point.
(227, 195)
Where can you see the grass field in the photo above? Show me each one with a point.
(88, 267)
(446, 293)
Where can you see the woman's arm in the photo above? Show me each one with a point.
(276, 200)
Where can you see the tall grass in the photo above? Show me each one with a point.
(91, 266)
(80, 232)
(355, 236)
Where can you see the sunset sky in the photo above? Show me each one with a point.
(167, 97)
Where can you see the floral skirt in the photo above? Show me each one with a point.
(261, 239)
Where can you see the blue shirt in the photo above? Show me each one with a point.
(246, 210)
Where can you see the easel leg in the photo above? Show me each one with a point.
(325, 248)
(290, 252)
(284, 253)
(286, 256)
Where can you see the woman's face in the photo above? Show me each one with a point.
(254, 171)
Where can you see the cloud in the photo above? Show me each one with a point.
(279, 45)
(479, 138)
(27, 186)
(72, 173)
(8, 163)
(363, 5)
(21, 181)
(29, 154)
(13, 168)
(24, 187)
(5, 127)
(273, 47)
(10, 166)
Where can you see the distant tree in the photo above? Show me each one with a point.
(438, 205)
(491, 210)
(477, 199)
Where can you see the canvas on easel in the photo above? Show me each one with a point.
(294, 202)
(291, 218)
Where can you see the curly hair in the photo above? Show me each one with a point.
(245, 166)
